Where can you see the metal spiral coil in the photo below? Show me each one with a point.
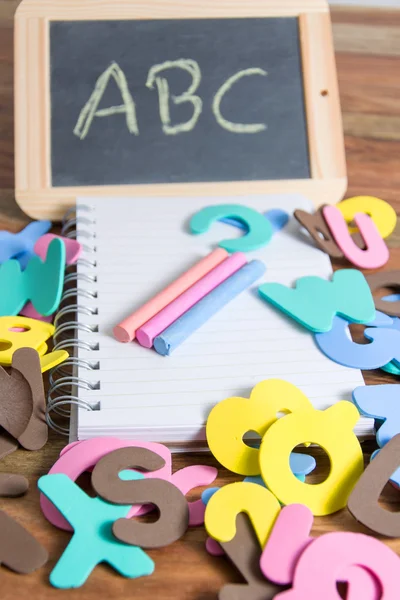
(63, 380)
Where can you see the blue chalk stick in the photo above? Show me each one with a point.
(199, 314)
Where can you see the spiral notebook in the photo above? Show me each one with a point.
(133, 248)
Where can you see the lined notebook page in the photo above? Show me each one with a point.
(143, 244)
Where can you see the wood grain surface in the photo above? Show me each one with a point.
(368, 58)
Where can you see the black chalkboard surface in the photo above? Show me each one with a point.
(244, 121)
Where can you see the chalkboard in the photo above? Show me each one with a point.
(256, 131)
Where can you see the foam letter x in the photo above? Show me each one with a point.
(93, 541)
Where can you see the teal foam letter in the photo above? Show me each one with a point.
(93, 541)
(259, 228)
(314, 302)
(41, 282)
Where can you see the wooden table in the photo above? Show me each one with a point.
(368, 58)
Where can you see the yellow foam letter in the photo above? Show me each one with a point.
(331, 429)
(230, 419)
(89, 111)
(382, 214)
(216, 106)
(22, 332)
(193, 69)
(256, 501)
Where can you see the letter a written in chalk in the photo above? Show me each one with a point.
(91, 110)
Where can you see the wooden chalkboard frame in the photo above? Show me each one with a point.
(33, 189)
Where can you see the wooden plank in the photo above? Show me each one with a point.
(361, 15)
(369, 126)
(369, 84)
(166, 9)
(324, 118)
(52, 203)
(367, 39)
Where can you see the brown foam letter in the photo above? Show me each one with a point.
(171, 503)
(26, 361)
(15, 402)
(363, 501)
(389, 279)
(244, 551)
(8, 444)
(19, 550)
(12, 486)
(316, 226)
(22, 401)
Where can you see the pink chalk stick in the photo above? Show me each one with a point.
(73, 248)
(126, 330)
(145, 335)
(376, 253)
(30, 311)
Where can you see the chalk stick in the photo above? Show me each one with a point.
(126, 330)
(199, 314)
(145, 335)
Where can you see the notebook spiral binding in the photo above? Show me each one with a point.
(63, 380)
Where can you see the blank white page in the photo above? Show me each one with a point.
(143, 244)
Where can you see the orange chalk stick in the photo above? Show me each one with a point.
(126, 330)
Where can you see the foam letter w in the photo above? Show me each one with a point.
(41, 282)
(314, 302)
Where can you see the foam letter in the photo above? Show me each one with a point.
(331, 429)
(380, 402)
(171, 503)
(259, 229)
(21, 244)
(33, 335)
(388, 279)
(339, 347)
(289, 538)
(328, 556)
(363, 501)
(286, 544)
(41, 282)
(375, 254)
(314, 301)
(382, 214)
(223, 507)
(20, 552)
(92, 541)
(244, 552)
(78, 457)
(319, 231)
(232, 418)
